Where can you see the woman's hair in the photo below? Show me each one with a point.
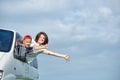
(39, 34)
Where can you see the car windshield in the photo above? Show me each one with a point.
(6, 38)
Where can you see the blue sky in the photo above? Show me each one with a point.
(87, 30)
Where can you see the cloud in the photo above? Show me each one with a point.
(33, 6)
(81, 24)
(105, 11)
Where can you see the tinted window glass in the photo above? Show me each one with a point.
(6, 38)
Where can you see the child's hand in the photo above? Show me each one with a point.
(46, 46)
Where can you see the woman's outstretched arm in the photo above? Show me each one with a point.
(66, 57)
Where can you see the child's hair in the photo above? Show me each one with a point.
(27, 37)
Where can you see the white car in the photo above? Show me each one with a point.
(12, 65)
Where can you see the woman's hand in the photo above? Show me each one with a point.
(67, 58)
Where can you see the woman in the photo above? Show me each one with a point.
(41, 43)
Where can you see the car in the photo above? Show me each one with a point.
(12, 64)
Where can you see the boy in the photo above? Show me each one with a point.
(28, 50)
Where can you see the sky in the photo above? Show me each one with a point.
(87, 30)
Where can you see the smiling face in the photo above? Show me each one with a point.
(27, 42)
(41, 39)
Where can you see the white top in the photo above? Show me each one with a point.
(33, 44)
